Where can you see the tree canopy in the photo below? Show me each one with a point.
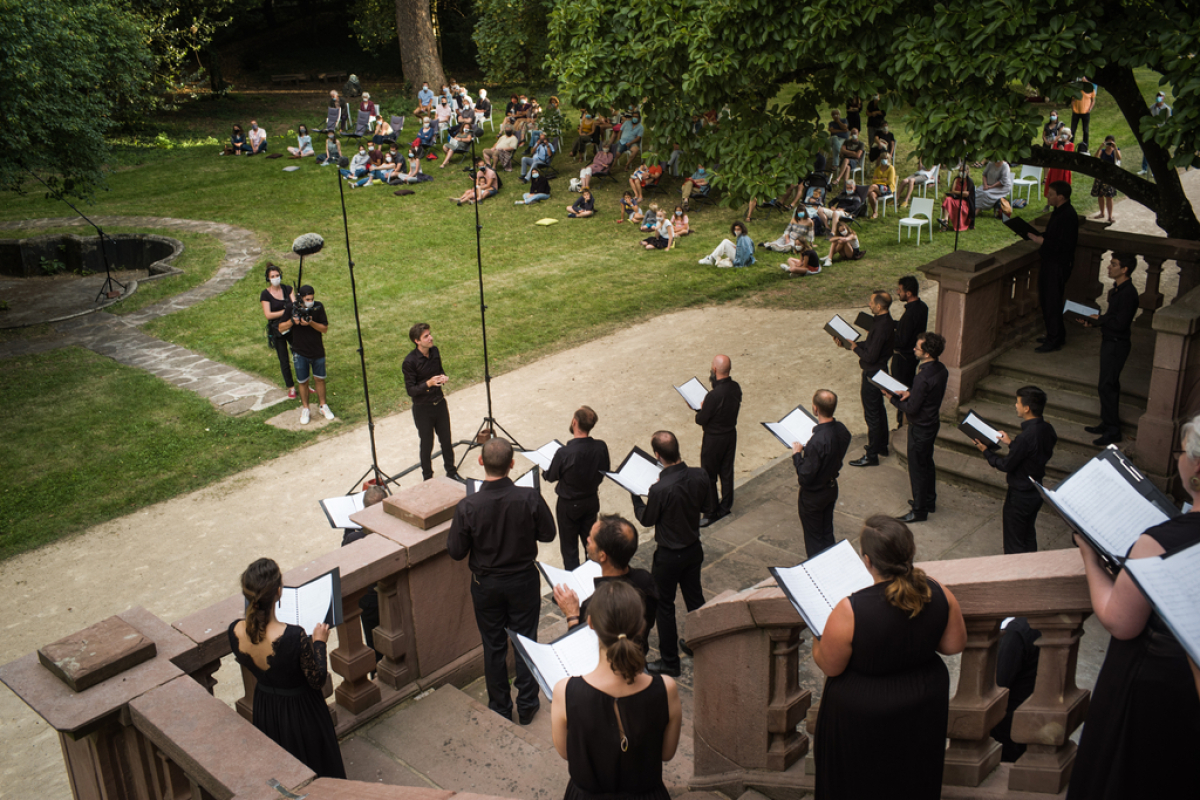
(964, 67)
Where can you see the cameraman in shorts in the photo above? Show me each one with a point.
(308, 325)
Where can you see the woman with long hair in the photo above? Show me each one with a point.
(304, 145)
(880, 655)
(617, 724)
(277, 300)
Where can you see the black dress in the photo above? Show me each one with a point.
(1143, 725)
(599, 769)
(884, 719)
(288, 703)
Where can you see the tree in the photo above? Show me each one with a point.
(512, 41)
(66, 68)
(963, 66)
(418, 46)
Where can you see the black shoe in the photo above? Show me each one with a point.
(914, 516)
(1041, 340)
(660, 668)
(709, 520)
(683, 648)
(1048, 348)
(865, 461)
(1096, 429)
(526, 717)
(1107, 439)
(884, 453)
(928, 509)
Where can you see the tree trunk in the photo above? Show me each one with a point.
(418, 46)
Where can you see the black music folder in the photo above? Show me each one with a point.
(840, 329)
(976, 428)
(865, 321)
(815, 586)
(1021, 228)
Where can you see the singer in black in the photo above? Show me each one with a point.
(673, 506)
(1115, 325)
(423, 380)
(578, 467)
(718, 417)
(873, 356)
(818, 464)
(913, 322)
(921, 405)
(498, 528)
(1057, 253)
(1027, 457)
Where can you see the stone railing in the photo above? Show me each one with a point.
(748, 701)
(137, 718)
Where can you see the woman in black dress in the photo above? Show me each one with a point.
(1143, 724)
(882, 721)
(277, 300)
(290, 669)
(616, 725)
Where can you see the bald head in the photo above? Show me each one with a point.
(721, 366)
(666, 447)
(497, 457)
(825, 403)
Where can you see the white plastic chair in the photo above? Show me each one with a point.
(933, 179)
(920, 206)
(1029, 178)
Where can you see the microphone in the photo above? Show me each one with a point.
(308, 244)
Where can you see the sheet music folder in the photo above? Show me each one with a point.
(865, 321)
(817, 585)
(838, 328)
(693, 393)
(887, 382)
(1169, 581)
(1075, 310)
(976, 428)
(796, 426)
(637, 472)
(1021, 228)
(575, 653)
(1110, 503)
(530, 480)
(313, 602)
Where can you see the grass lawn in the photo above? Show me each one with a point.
(548, 288)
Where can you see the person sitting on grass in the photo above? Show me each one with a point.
(796, 236)
(237, 142)
(399, 167)
(585, 206)
(600, 165)
(414, 174)
(377, 172)
(739, 253)
(501, 153)
(629, 207)
(649, 218)
(460, 143)
(883, 185)
(921, 177)
(680, 222)
(487, 183)
(808, 263)
(258, 139)
(303, 143)
(845, 243)
(358, 165)
(333, 151)
(539, 189)
(663, 237)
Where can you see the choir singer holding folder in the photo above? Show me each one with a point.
(922, 405)
(578, 467)
(818, 464)
(873, 356)
(718, 417)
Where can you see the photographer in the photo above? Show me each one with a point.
(277, 302)
(308, 325)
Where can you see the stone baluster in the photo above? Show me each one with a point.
(245, 703)
(353, 660)
(1025, 293)
(206, 675)
(787, 704)
(1008, 306)
(1084, 285)
(394, 636)
(1189, 277)
(976, 708)
(1152, 299)
(1056, 708)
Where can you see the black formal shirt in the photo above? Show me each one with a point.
(913, 322)
(579, 467)
(926, 394)
(1122, 307)
(674, 505)
(418, 369)
(1027, 455)
(499, 527)
(639, 579)
(718, 413)
(821, 462)
(873, 354)
(1060, 238)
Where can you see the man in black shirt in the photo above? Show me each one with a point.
(718, 417)
(873, 356)
(308, 325)
(1027, 458)
(578, 467)
(1114, 325)
(423, 380)
(673, 506)
(612, 544)
(912, 324)
(922, 406)
(818, 464)
(499, 528)
(846, 205)
(1057, 253)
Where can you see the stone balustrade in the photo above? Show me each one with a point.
(748, 701)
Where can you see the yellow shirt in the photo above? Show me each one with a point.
(885, 176)
(1084, 104)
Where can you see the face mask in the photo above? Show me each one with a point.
(679, 213)
(309, 303)
(1054, 118)
(635, 120)
(884, 162)
(854, 137)
(276, 280)
(802, 215)
(534, 174)
(253, 127)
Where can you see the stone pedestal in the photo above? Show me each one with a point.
(95, 654)
(427, 504)
(353, 660)
(976, 708)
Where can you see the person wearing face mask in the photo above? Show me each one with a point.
(443, 113)
(358, 165)
(258, 139)
(601, 165)
(460, 143)
(277, 300)
(539, 189)
(1052, 175)
(1052, 129)
(500, 154)
(630, 141)
(680, 222)
(883, 143)
(308, 324)
(376, 172)
(333, 151)
(1104, 192)
(587, 127)
(700, 178)
(876, 117)
(718, 417)
(732, 254)
(425, 98)
(883, 184)
(851, 156)
(541, 157)
(796, 236)
(1161, 112)
(303, 143)
(426, 135)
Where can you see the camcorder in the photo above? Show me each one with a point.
(300, 313)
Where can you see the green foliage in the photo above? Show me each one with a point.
(512, 41)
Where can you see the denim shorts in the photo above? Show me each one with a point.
(304, 364)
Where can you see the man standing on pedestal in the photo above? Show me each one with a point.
(922, 405)
(1115, 326)
(873, 356)
(673, 506)
(423, 380)
(1057, 252)
(718, 417)
(578, 467)
(913, 322)
(499, 528)
(818, 464)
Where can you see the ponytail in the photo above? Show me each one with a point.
(890, 546)
(616, 612)
(260, 583)
(909, 591)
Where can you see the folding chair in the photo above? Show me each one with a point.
(397, 124)
(332, 118)
(361, 127)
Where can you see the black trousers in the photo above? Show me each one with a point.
(1112, 361)
(716, 458)
(816, 517)
(922, 474)
(1019, 516)
(904, 369)
(575, 521)
(285, 360)
(673, 569)
(1081, 119)
(1052, 285)
(430, 419)
(507, 601)
(875, 415)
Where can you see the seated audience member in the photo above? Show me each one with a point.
(460, 143)
(304, 145)
(601, 165)
(377, 172)
(533, 127)
(519, 118)
(732, 254)
(511, 109)
(699, 180)
(587, 127)
(333, 150)
(796, 236)
(336, 102)
(997, 185)
(542, 153)
(487, 183)
(849, 204)
(850, 156)
(501, 153)
(399, 167)
(808, 263)
(673, 159)
(837, 126)
(425, 98)
(352, 88)
(630, 141)
(919, 178)
(358, 165)
(426, 135)
(258, 139)
(638, 179)
(884, 144)
(383, 132)
(368, 105)
(629, 206)
(663, 237)
(443, 113)
(649, 220)
(539, 188)
(483, 108)
(958, 208)
(680, 220)
(414, 174)
(466, 116)
(883, 184)
(585, 206)
(845, 243)
(603, 134)
(237, 142)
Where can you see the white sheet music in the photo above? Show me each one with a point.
(845, 331)
(1171, 585)
(820, 583)
(981, 426)
(1107, 506)
(307, 605)
(693, 392)
(528, 480)
(544, 454)
(1078, 308)
(581, 580)
(886, 381)
(575, 654)
(339, 509)
(638, 474)
(795, 427)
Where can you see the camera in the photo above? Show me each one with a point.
(300, 313)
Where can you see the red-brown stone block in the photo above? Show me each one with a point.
(428, 504)
(95, 654)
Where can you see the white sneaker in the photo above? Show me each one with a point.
(785, 268)
(827, 262)
(707, 261)
(304, 416)
(325, 410)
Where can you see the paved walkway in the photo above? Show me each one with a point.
(119, 337)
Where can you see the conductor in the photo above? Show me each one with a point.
(818, 465)
(499, 528)
(718, 416)
(423, 380)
